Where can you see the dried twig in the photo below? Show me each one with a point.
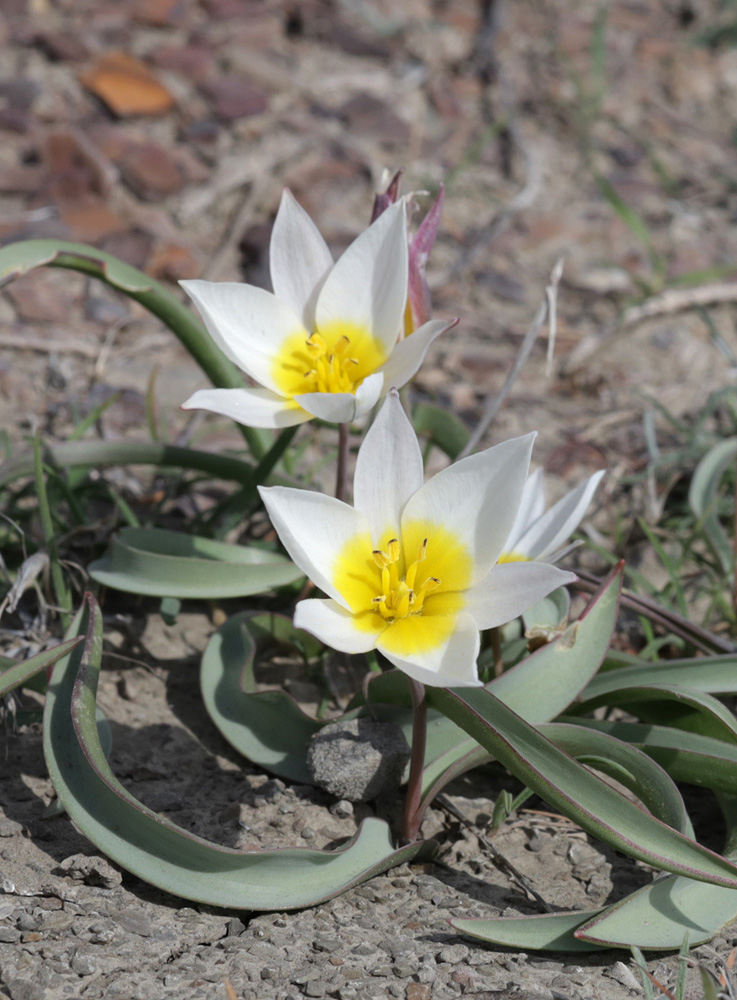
(497, 857)
(677, 299)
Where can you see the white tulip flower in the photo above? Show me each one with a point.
(324, 343)
(412, 570)
(538, 534)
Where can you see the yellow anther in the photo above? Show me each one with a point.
(342, 345)
(316, 344)
(401, 597)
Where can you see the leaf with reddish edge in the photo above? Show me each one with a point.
(160, 852)
(574, 790)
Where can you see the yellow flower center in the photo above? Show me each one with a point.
(410, 589)
(402, 596)
(335, 358)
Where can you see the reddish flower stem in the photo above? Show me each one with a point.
(341, 479)
(412, 817)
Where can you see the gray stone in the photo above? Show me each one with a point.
(358, 760)
(92, 871)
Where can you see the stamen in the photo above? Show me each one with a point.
(400, 597)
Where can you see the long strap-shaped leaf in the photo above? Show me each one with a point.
(573, 789)
(162, 563)
(160, 852)
(710, 675)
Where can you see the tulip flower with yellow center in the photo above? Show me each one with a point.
(324, 343)
(412, 569)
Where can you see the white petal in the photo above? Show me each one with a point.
(368, 394)
(314, 529)
(452, 664)
(333, 625)
(252, 407)
(510, 589)
(477, 499)
(531, 507)
(343, 407)
(368, 285)
(557, 524)
(388, 469)
(299, 259)
(409, 353)
(335, 407)
(247, 323)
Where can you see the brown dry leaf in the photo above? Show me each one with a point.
(127, 85)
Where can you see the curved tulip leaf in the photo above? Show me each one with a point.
(160, 852)
(670, 705)
(710, 675)
(703, 495)
(686, 756)
(267, 727)
(657, 916)
(542, 932)
(662, 914)
(160, 563)
(576, 791)
(627, 764)
(14, 674)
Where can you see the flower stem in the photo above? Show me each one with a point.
(341, 481)
(412, 817)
